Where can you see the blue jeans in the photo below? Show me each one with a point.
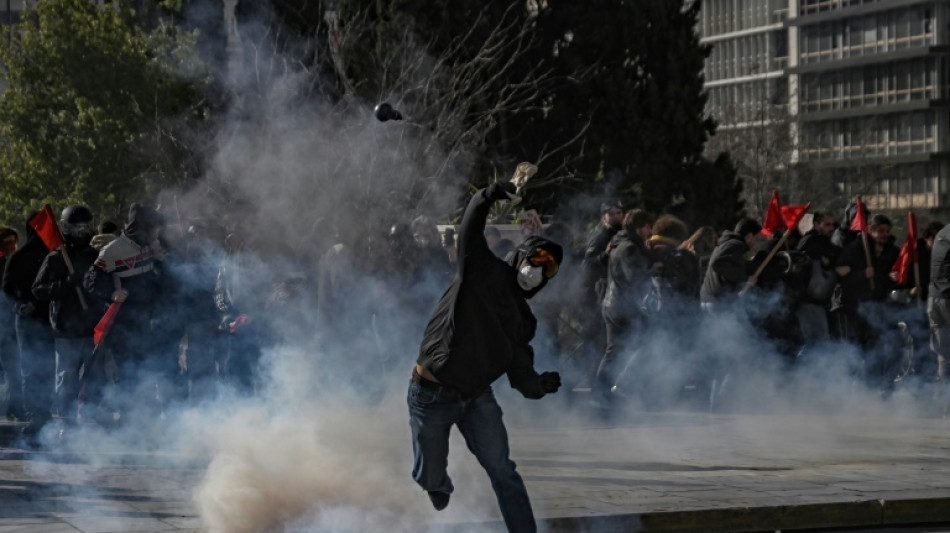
(71, 352)
(37, 367)
(431, 417)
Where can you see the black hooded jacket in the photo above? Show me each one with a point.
(20, 272)
(54, 286)
(628, 275)
(482, 326)
(727, 269)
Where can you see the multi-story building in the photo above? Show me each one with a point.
(863, 85)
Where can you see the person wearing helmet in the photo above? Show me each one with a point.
(481, 328)
(69, 313)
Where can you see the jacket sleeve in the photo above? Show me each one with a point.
(98, 283)
(522, 375)
(472, 246)
(49, 282)
(730, 265)
(9, 284)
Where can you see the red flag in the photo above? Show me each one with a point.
(105, 323)
(908, 257)
(773, 217)
(44, 223)
(860, 222)
(792, 214)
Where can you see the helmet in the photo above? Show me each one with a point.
(77, 222)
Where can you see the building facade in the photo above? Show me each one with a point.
(862, 85)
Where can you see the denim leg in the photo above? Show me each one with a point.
(431, 418)
(10, 360)
(487, 438)
(813, 321)
(37, 360)
(70, 353)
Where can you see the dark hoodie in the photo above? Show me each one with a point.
(55, 286)
(727, 269)
(20, 272)
(482, 326)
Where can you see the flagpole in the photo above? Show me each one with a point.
(917, 281)
(867, 255)
(778, 245)
(71, 270)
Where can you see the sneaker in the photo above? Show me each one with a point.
(439, 499)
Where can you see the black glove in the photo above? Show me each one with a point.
(502, 190)
(550, 382)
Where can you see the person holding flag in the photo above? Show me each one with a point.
(864, 268)
(481, 329)
(33, 333)
(59, 283)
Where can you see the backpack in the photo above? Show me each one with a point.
(679, 275)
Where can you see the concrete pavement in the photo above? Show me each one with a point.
(675, 471)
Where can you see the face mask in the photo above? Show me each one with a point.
(529, 277)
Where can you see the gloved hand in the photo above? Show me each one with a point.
(120, 295)
(550, 382)
(503, 191)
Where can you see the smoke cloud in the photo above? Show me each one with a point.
(322, 442)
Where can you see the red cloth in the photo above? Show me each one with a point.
(105, 323)
(908, 257)
(45, 225)
(860, 222)
(792, 214)
(773, 217)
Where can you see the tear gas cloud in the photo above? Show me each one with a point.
(323, 443)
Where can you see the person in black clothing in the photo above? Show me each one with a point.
(481, 328)
(628, 281)
(812, 309)
(9, 353)
(843, 235)
(594, 276)
(72, 322)
(728, 273)
(34, 336)
(728, 276)
(862, 282)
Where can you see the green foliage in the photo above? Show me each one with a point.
(95, 108)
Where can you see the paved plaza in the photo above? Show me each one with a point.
(672, 471)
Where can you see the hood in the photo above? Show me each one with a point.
(143, 220)
(515, 257)
(851, 212)
(728, 235)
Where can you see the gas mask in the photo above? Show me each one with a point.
(530, 277)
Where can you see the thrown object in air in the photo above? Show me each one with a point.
(523, 172)
(385, 112)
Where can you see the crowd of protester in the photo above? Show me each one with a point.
(193, 309)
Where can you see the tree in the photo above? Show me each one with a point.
(644, 100)
(97, 110)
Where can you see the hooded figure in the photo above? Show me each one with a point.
(69, 313)
(129, 271)
(34, 336)
(481, 328)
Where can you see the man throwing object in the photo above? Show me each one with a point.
(481, 329)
